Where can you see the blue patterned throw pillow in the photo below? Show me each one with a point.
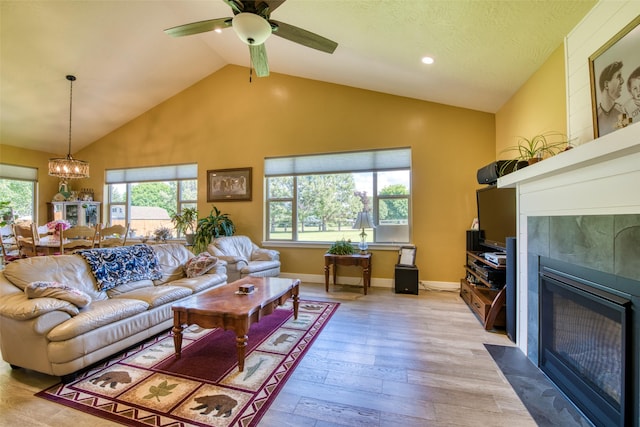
(116, 266)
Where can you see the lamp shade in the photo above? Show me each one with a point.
(251, 28)
(363, 220)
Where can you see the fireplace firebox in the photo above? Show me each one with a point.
(586, 341)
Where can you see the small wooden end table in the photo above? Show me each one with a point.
(222, 307)
(361, 260)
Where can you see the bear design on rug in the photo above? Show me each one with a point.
(282, 338)
(112, 378)
(219, 402)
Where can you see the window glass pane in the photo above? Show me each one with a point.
(189, 189)
(280, 187)
(280, 219)
(394, 182)
(21, 195)
(151, 204)
(118, 193)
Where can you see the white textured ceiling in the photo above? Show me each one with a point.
(484, 51)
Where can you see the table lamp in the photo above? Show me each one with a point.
(363, 221)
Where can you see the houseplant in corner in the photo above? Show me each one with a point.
(185, 223)
(539, 146)
(215, 225)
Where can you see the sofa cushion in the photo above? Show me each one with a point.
(71, 270)
(96, 315)
(59, 291)
(128, 287)
(157, 295)
(200, 264)
(116, 266)
(201, 283)
(172, 257)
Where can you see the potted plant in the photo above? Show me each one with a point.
(162, 234)
(341, 247)
(215, 225)
(537, 147)
(185, 223)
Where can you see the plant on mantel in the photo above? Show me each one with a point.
(532, 150)
(539, 146)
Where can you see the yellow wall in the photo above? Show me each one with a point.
(538, 106)
(47, 185)
(224, 121)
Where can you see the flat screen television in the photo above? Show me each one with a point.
(496, 216)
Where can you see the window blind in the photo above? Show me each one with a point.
(18, 172)
(351, 161)
(154, 173)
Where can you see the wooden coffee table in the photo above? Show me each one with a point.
(222, 307)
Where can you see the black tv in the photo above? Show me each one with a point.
(496, 216)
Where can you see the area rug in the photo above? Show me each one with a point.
(148, 386)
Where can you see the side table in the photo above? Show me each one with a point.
(361, 260)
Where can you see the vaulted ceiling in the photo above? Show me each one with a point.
(484, 50)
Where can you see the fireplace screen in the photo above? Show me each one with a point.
(589, 342)
(584, 345)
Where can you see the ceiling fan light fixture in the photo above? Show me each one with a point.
(252, 29)
(68, 167)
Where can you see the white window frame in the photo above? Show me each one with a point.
(369, 161)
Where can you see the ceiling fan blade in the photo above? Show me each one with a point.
(236, 5)
(199, 27)
(303, 37)
(259, 59)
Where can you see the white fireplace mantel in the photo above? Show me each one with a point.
(601, 177)
(622, 143)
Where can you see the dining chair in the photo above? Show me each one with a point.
(10, 251)
(115, 235)
(77, 237)
(27, 239)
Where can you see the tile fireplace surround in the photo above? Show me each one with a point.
(582, 207)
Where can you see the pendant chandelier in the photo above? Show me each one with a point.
(68, 167)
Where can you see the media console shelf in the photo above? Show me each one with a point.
(484, 290)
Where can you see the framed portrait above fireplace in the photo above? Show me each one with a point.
(614, 72)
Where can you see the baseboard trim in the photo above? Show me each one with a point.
(376, 282)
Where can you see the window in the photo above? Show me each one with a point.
(147, 197)
(316, 198)
(18, 186)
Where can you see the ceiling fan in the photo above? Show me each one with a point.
(252, 24)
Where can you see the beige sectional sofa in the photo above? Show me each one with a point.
(58, 337)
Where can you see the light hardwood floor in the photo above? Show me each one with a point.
(383, 360)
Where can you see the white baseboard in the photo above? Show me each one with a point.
(376, 282)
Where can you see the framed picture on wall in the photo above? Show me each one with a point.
(229, 185)
(615, 81)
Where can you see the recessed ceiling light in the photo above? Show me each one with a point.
(427, 60)
(218, 30)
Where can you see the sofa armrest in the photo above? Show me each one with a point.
(236, 262)
(17, 306)
(265, 255)
(219, 268)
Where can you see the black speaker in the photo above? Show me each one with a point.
(473, 240)
(489, 174)
(406, 280)
(510, 283)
